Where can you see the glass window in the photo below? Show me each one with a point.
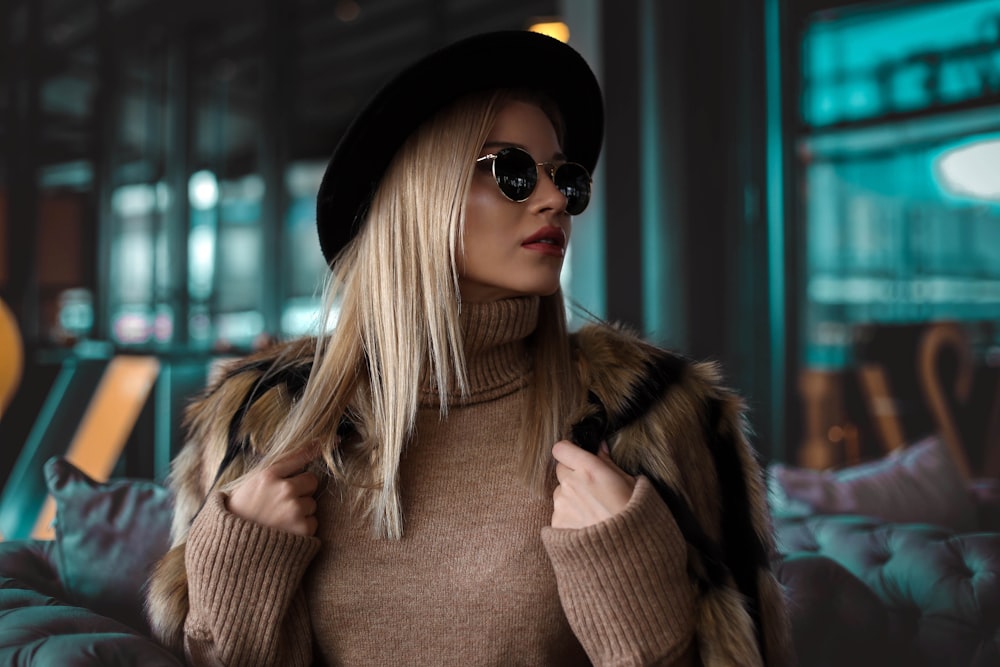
(902, 219)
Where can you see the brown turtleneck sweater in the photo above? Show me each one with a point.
(479, 577)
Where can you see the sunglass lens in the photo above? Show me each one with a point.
(516, 173)
(574, 182)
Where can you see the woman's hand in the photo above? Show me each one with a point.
(591, 488)
(280, 496)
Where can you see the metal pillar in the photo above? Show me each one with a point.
(621, 65)
(24, 63)
(179, 117)
(275, 94)
(105, 123)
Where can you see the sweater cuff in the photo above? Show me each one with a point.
(242, 577)
(624, 583)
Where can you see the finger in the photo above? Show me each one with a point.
(304, 484)
(605, 457)
(604, 454)
(306, 527)
(294, 463)
(570, 455)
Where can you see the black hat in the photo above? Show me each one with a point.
(511, 59)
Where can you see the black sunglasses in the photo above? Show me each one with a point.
(516, 174)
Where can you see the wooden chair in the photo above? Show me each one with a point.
(944, 399)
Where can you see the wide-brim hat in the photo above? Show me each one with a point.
(510, 59)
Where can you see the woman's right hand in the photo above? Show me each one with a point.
(280, 496)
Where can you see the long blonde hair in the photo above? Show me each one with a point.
(395, 293)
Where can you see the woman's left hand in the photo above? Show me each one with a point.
(591, 488)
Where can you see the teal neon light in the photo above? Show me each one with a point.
(655, 254)
(776, 226)
(900, 59)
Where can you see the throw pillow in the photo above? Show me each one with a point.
(108, 537)
(919, 484)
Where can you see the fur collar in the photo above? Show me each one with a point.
(662, 415)
(671, 419)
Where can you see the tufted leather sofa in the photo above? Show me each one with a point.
(41, 622)
(868, 592)
(77, 600)
(863, 592)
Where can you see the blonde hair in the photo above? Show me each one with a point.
(398, 326)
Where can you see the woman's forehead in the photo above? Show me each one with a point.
(527, 126)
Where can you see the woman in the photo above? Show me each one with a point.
(449, 477)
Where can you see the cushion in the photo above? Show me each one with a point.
(919, 484)
(41, 631)
(32, 562)
(108, 537)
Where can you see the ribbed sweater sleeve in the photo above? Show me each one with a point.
(245, 597)
(624, 584)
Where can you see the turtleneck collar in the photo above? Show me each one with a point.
(496, 354)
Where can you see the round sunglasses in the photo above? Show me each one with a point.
(516, 174)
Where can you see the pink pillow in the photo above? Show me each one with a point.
(919, 484)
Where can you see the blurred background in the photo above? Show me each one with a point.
(806, 190)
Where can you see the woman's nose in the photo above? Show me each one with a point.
(548, 195)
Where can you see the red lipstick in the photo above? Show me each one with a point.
(547, 240)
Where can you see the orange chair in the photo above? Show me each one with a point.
(11, 356)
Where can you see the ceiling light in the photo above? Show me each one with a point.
(203, 190)
(556, 29)
(347, 10)
(971, 170)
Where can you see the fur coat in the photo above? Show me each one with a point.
(662, 415)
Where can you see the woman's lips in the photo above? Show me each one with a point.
(548, 240)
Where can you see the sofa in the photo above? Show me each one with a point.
(867, 592)
(78, 599)
(891, 562)
(863, 591)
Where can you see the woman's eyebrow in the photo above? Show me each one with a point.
(504, 144)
